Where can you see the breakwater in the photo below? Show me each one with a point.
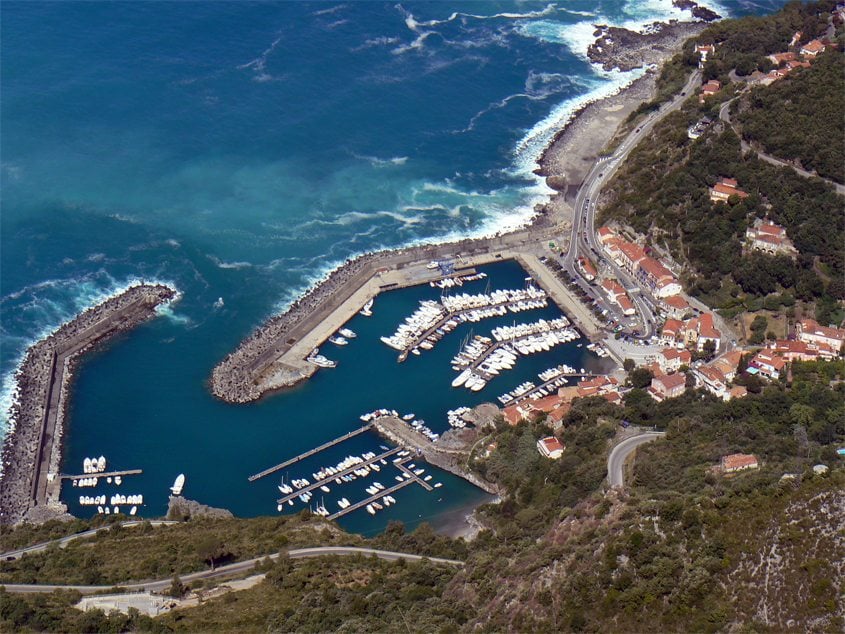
(273, 355)
(30, 483)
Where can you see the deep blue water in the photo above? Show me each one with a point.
(241, 150)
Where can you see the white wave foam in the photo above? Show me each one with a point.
(330, 10)
(259, 64)
(228, 265)
(413, 24)
(376, 41)
(380, 162)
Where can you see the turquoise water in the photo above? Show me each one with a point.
(240, 151)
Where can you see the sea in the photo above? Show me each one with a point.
(239, 151)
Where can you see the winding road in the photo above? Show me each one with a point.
(230, 569)
(724, 115)
(619, 454)
(583, 223)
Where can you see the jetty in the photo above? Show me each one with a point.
(329, 479)
(106, 474)
(309, 453)
(372, 498)
(30, 486)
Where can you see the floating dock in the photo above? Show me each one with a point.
(104, 474)
(331, 478)
(309, 453)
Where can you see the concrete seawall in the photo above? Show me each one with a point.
(29, 486)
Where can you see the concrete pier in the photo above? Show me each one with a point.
(30, 485)
(309, 453)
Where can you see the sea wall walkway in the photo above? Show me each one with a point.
(30, 485)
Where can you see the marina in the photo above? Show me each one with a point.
(106, 474)
(309, 453)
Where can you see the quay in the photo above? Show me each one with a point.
(30, 488)
(106, 474)
(550, 383)
(330, 479)
(413, 476)
(310, 452)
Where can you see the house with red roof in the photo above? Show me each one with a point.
(709, 89)
(550, 447)
(812, 48)
(794, 350)
(769, 237)
(667, 386)
(738, 462)
(675, 306)
(766, 363)
(588, 270)
(724, 189)
(671, 359)
(672, 332)
(616, 294)
(779, 58)
(828, 339)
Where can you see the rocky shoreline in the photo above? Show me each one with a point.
(618, 48)
(31, 457)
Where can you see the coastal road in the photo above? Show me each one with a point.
(583, 224)
(619, 454)
(724, 115)
(231, 569)
(64, 541)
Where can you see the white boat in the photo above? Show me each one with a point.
(133, 510)
(178, 484)
(321, 361)
(325, 489)
(338, 341)
(370, 509)
(118, 480)
(437, 485)
(461, 378)
(346, 332)
(367, 310)
(427, 478)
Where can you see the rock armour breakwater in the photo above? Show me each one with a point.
(29, 483)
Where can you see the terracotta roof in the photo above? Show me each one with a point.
(706, 327)
(624, 303)
(552, 444)
(738, 391)
(604, 233)
(775, 240)
(728, 190)
(814, 46)
(771, 229)
(512, 415)
(730, 182)
(769, 358)
(670, 382)
(677, 302)
(777, 58)
(713, 374)
(546, 403)
(655, 269)
(672, 326)
(811, 326)
(738, 461)
(588, 267)
(559, 412)
(631, 251)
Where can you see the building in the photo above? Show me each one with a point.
(672, 332)
(812, 48)
(667, 386)
(827, 339)
(796, 37)
(766, 363)
(617, 295)
(703, 52)
(769, 238)
(739, 462)
(794, 350)
(675, 306)
(550, 447)
(728, 363)
(709, 89)
(724, 189)
(587, 269)
(597, 386)
(657, 278)
(779, 58)
(671, 359)
(707, 332)
(555, 406)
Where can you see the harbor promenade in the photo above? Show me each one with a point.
(30, 485)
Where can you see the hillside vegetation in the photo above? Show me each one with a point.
(802, 117)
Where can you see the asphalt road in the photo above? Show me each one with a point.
(64, 541)
(583, 224)
(620, 453)
(231, 569)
